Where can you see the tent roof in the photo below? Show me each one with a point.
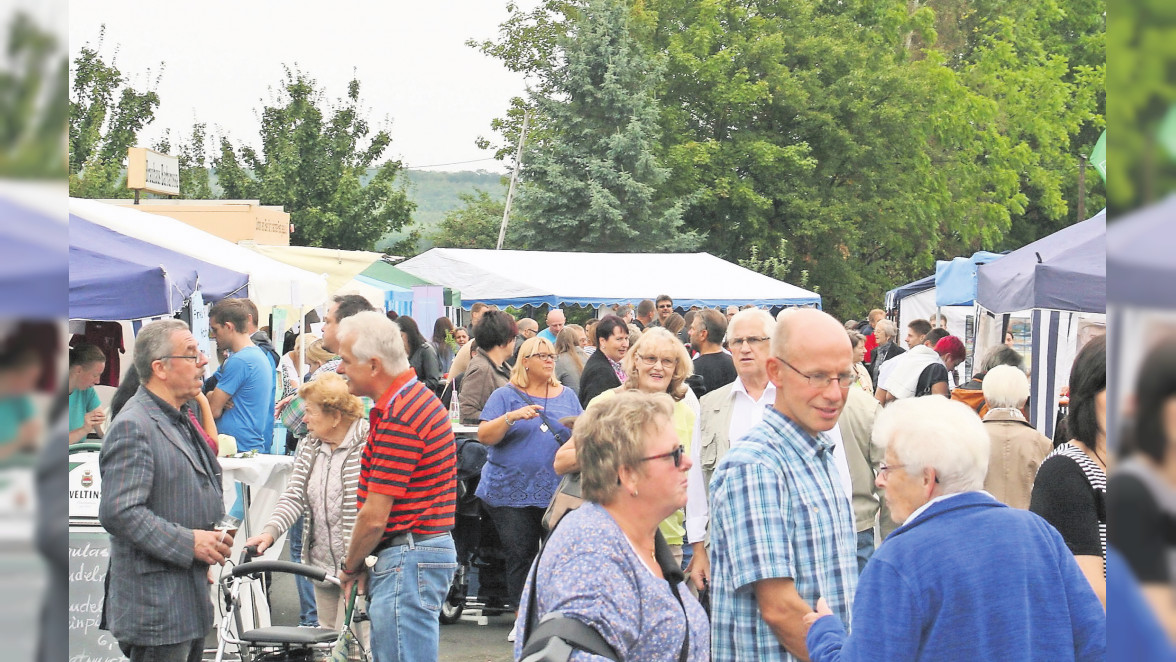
(955, 280)
(1140, 250)
(516, 278)
(116, 277)
(35, 268)
(339, 265)
(1065, 271)
(384, 272)
(271, 283)
(904, 291)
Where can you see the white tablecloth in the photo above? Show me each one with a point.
(266, 476)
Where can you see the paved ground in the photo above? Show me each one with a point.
(463, 641)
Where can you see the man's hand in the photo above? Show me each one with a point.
(699, 567)
(262, 541)
(212, 547)
(348, 579)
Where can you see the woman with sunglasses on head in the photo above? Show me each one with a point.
(520, 424)
(657, 363)
(605, 564)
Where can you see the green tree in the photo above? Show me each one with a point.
(312, 161)
(101, 129)
(195, 180)
(594, 182)
(31, 120)
(473, 225)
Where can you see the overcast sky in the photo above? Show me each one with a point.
(222, 59)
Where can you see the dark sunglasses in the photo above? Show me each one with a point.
(677, 454)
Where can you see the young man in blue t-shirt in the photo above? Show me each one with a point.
(243, 400)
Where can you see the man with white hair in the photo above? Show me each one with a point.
(1017, 447)
(406, 497)
(555, 324)
(964, 576)
(781, 524)
(731, 311)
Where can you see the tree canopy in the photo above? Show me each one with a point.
(843, 142)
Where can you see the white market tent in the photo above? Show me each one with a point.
(340, 266)
(518, 278)
(271, 283)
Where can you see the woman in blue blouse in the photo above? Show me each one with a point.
(599, 565)
(520, 424)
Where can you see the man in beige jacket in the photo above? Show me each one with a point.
(1017, 448)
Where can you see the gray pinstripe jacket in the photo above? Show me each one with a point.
(159, 482)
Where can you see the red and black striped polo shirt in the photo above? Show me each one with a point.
(411, 457)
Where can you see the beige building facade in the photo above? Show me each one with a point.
(235, 220)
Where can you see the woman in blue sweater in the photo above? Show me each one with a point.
(965, 577)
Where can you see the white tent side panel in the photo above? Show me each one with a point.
(520, 277)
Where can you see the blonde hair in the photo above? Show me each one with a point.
(518, 374)
(653, 339)
(329, 391)
(316, 353)
(611, 434)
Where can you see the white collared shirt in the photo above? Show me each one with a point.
(746, 413)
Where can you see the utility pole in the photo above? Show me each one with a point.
(1081, 188)
(514, 180)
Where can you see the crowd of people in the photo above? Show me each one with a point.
(755, 487)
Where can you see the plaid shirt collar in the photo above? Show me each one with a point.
(792, 433)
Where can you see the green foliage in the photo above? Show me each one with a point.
(594, 183)
(195, 178)
(33, 106)
(875, 136)
(314, 162)
(473, 225)
(101, 129)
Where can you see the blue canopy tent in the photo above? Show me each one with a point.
(1141, 254)
(955, 280)
(1065, 271)
(35, 270)
(893, 297)
(1062, 278)
(116, 277)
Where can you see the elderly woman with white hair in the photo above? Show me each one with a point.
(1017, 447)
(965, 575)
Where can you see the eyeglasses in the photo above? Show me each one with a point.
(194, 359)
(844, 380)
(677, 454)
(544, 356)
(749, 340)
(884, 468)
(653, 360)
(666, 305)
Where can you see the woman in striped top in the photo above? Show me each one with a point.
(323, 486)
(1070, 490)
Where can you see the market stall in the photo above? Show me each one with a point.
(595, 279)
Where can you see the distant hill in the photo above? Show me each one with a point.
(435, 194)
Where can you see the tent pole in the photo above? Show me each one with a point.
(514, 179)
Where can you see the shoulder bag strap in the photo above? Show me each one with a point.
(673, 574)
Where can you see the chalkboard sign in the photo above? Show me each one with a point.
(89, 555)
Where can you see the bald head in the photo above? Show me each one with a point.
(528, 325)
(801, 331)
(555, 321)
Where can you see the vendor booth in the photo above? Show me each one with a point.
(1062, 278)
(34, 271)
(519, 278)
(271, 283)
(1142, 300)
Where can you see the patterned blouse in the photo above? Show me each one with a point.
(589, 571)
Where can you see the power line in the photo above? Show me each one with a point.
(435, 165)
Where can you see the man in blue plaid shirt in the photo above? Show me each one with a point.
(782, 529)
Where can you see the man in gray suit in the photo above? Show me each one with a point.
(161, 497)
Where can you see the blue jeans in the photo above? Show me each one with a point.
(307, 611)
(865, 548)
(405, 590)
